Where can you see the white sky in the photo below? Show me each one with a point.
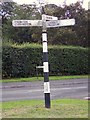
(58, 2)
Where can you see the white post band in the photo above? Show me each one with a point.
(45, 47)
(45, 66)
(46, 87)
(44, 37)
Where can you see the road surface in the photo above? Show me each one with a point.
(71, 89)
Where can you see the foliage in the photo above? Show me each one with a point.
(7, 10)
(76, 35)
(18, 35)
(22, 61)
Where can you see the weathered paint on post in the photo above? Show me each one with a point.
(45, 63)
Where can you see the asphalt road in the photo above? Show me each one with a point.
(76, 88)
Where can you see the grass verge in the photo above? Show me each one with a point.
(63, 108)
(41, 78)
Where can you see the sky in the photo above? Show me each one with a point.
(57, 2)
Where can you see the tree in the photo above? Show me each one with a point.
(6, 10)
(18, 35)
(75, 35)
(79, 31)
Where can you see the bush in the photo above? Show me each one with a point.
(68, 61)
(21, 61)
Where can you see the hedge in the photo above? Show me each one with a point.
(63, 60)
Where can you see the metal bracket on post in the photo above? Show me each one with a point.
(38, 67)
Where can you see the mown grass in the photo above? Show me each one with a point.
(64, 108)
(41, 78)
(35, 45)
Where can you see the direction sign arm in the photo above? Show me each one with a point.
(60, 23)
(26, 23)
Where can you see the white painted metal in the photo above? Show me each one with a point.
(44, 37)
(52, 23)
(49, 24)
(60, 23)
(45, 64)
(45, 49)
(48, 17)
(39, 66)
(46, 87)
(26, 23)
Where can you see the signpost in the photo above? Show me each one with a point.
(46, 22)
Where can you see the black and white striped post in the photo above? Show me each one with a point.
(52, 22)
(45, 64)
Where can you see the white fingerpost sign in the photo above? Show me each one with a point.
(49, 24)
(48, 17)
(60, 23)
(26, 23)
